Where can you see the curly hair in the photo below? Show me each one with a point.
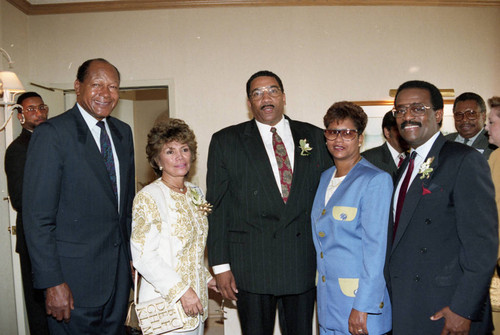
(166, 132)
(343, 110)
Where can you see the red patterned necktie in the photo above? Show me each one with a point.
(284, 167)
(402, 192)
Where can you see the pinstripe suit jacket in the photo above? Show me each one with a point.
(267, 243)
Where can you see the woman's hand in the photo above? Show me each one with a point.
(191, 303)
(357, 322)
(212, 284)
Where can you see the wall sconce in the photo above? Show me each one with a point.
(10, 86)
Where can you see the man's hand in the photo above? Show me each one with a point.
(357, 322)
(454, 324)
(227, 285)
(59, 302)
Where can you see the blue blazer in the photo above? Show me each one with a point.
(350, 236)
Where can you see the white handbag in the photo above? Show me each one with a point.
(156, 316)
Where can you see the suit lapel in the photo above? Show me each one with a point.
(300, 162)
(121, 152)
(415, 191)
(92, 154)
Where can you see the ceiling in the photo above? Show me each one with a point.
(43, 7)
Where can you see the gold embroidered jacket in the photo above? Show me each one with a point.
(168, 240)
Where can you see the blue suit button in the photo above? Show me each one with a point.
(416, 278)
(428, 221)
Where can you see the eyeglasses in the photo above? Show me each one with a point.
(41, 108)
(471, 115)
(416, 109)
(258, 93)
(347, 134)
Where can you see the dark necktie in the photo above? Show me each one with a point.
(467, 141)
(107, 154)
(284, 167)
(402, 192)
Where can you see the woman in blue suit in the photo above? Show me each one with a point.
(349, 223)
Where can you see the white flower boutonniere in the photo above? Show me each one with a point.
(304, 147)
(199, 201)
(425, 169)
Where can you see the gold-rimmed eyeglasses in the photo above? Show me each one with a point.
(416, 109)
(346, 134)
(258, 93)
(470, 113)
(41, 108)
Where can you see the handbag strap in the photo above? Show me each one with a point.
(135, 286)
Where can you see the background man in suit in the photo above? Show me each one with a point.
(79, 182)
(34, 111)
(469, 113)
(389, 156)
(259, 240)
(443, 234)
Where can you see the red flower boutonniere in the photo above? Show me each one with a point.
(425, 190)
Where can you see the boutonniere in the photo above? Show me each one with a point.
(304, 147)
(201, 204)
(425, 190)
(425, 169)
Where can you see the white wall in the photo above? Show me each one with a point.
(323, 54)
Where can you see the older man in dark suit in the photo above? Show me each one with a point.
(389, 156)
(262, 178)
(469, 113)
(32, 113)
(443, 235)
(79, 184)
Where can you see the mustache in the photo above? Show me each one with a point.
(408, 123)
(265, 106)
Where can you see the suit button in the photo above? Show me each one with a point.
(255, 192)
(428, 221)
(321, 234)
(321, 254)
(416, 278)
(323, 212)
(323, 279)
(381, 305)
(423, 250)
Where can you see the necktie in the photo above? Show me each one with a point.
(107, 154)
(284, 167)
(401, 159)
(402, 192)
(468, 141)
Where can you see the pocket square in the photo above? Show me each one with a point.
(343, 213)
(425, 190)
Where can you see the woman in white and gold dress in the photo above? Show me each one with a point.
(169, 228)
